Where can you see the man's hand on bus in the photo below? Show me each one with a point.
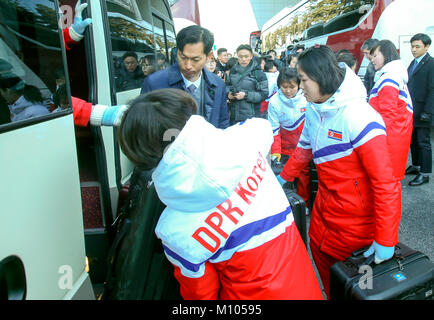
(79, 26)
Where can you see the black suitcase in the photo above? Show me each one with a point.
(298, 207)
(137, 266)
(409, 275)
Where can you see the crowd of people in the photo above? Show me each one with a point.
(220, 197)
(227, 227)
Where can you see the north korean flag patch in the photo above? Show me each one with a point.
(302, 109)
(336, 135)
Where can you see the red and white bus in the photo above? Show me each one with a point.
(395, 20)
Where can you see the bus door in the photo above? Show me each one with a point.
(139, 38)
(122, 47)
(42, 248)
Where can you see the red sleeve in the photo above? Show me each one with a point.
(276, 146)
(375, 158)
(387, 104)
(67, 39)
(296, 163)
(204, 288)
(81, 111)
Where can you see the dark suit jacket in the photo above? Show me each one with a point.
(215, 107)
(421, 87)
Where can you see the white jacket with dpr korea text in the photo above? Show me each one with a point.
(228, 228)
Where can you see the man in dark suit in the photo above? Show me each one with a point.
(194, 45)
(421, 87)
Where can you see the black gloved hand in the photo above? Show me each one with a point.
(425, 117)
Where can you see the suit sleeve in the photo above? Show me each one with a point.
(300, 158)
(204, 288)
(224, 113)
(146, 86)
(429, 105)
(375, 158)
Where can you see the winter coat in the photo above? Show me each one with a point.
(358, 198)
(23, 109)
(421, 87)
(215, 106)
(126, 80)
(390, 97)
(254, 83)
(287, 119)
(228, 227)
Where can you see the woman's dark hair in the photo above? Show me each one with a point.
(149, 116)
(288, 74)
(195, 34)
(320, 64)
(388, 49)
(292, 56)
(14, 83)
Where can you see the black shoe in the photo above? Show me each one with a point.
(412, 170)
(419, 180)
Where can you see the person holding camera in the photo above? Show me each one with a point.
(246, 86)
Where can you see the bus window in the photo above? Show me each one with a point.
(32, 76)
(132, 40)
(171, 41)
(161, 7)
(160, 44)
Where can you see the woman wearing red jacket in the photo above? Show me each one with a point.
(358, 200)
(391, 98)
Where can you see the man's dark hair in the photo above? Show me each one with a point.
(130, 54)
(320, 65)
(269, 51)
(195, 34)
(221, 50)
(269, 64)
(149, 116)
(426, 40)
(388, 49)
(288, 74)
(347, 58)
(369, 44)
(244, 47)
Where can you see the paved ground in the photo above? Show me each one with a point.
(416, 229)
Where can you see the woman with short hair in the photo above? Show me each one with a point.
(358, 200)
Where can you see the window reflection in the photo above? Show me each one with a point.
(30, 52)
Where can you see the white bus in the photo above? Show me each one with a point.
(59, 184)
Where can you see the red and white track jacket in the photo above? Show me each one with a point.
(391, 98)
(287, 119)
(228, 228)
(358, 198)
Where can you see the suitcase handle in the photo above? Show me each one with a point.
(360, 260)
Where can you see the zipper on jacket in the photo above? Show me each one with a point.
(360, 194)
